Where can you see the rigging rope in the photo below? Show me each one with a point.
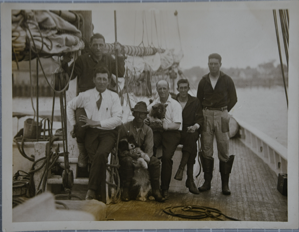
(177, 20)
(38, 59)
(156, 29)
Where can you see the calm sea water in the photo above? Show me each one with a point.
(263, 108)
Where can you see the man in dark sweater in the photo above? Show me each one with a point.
(217, 95)
(192, 121)
(84, 71)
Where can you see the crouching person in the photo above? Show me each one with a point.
(143, 136)
(103, 114)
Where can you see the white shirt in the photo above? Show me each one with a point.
(109, 114)
(173, 110)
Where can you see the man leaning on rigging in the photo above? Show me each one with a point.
(104, 114)
(83, 70)
(217, 95)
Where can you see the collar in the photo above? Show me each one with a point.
(96, 92)
(168, 99)
(95, 59)
(128, 127)
(134, 125)
(190, 99)
(207, 76)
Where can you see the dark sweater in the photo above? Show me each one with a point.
(85, 65)
(192, 112)
(223, 95)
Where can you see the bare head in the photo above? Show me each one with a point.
(101, 78)
(97, 45)
(214, 64)
(183, 87)
(163, 89)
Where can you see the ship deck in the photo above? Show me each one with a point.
(254, 194)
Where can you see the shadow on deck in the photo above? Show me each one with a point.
(254, 195)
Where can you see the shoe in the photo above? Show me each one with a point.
(82, 158)
(125, 196)
(90, 195)
(191, 186)
(179, 174)
(157, 195)
(207, 184)
(165, 194)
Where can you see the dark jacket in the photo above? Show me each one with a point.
(192, 113)
(223, 95)
(85, 65)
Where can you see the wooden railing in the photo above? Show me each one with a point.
(268, 149)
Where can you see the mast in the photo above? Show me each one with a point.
(116, 52)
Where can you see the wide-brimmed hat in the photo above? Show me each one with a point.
(140, 107)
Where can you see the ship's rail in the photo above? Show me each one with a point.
(268, 149)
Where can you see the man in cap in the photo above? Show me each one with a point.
(168, 133)
(144, 138)
(217, 94)
(103, 115)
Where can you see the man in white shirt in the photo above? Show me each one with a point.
(103, 115)
(169, 136)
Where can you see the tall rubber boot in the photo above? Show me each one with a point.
(225, 169)
(190, 180)
(82, 158)
(180, 172)
(154, 172)
(207, 165)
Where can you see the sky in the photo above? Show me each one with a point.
(243, 38)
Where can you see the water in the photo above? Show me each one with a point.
(263, 108)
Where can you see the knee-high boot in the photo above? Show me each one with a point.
(207, 165)
(154, 172)
(127, 173)
(225, 169)
(180, 172)
(190, 180)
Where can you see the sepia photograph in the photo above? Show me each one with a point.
(150, 116)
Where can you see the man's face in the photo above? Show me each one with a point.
(97, 47)
(214, 65)
(139, 116)
(183, 89)
(101, 81)
(162, 89)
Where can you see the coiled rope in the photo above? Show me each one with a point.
(196, 212)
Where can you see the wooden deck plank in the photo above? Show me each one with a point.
(254, 195)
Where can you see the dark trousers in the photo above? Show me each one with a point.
(169, 141)
(127, 171)
(98, 144)
(189, 150)
(79, 130)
